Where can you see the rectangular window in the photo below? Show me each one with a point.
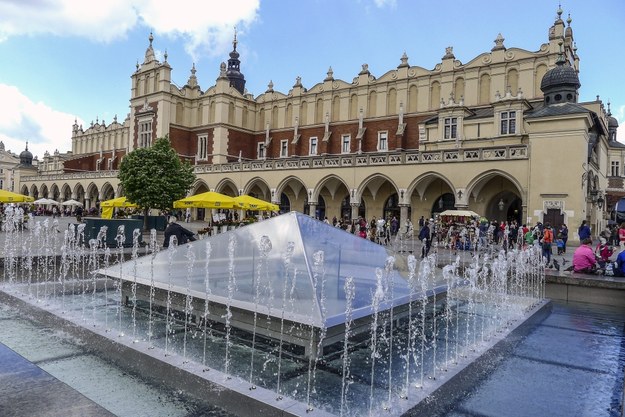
(145, 133)
(615, 171)
(508, 122)
(284, 148)
(312, 146)
(202, 147)
(346, 144)
(261, 150)
(1, 184)
(451, 127)
(382, 141)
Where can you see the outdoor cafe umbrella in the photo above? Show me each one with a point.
(208, 200)
(46, 202)
(252, 203)
(71, 203)
(9, 197)
(108, 205)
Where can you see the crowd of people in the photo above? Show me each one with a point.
(606, 257)
(600, 259)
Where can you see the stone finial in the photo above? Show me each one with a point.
(192, 82)
(222, 70)
(449, 53)
(365, 69)
(499, 43)
(269, 87)
(404, 61)
(330, 75)
(298, 82)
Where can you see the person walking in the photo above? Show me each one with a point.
(425, 237)
(547, 241)
(563, 234)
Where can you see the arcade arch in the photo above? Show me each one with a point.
(326, 199)
(293, 194)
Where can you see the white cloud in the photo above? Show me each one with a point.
(103, 21)
(385, 3)
(22, 120)
(205, 27)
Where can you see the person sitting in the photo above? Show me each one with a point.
(584, 260)
(603, 251)
(174, 229)
(619, 265)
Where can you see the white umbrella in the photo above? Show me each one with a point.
(45, 201)
(71, 203)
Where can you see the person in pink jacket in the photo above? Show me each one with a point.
(584, 259)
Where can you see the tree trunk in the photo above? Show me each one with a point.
(145, 219)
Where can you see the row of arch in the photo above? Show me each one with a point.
(493, 194)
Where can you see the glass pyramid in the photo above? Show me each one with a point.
(290, 266)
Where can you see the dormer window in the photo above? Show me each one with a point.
(508, 122)
(615, 169)
(451, 127)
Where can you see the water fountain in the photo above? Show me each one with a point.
(288, 315)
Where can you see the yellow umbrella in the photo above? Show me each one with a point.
(9, 197)
(208, 200)
(108, 205)
(252, 203)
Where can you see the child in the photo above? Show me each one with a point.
(603, 251)
(560, 246)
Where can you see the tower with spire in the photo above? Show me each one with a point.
(237, 79)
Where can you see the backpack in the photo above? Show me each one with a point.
(548, 236)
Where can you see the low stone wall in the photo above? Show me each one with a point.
(585, 288)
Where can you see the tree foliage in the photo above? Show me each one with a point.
(154, 177)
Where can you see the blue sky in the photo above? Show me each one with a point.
(72, 59)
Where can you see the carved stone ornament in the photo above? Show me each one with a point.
(146, 107)
(553, 204)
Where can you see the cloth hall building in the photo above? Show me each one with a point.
(502, 135)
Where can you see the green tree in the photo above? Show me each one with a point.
(155, 177)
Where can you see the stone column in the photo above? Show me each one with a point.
(355, 207)
(313, 209)
(403, 213)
